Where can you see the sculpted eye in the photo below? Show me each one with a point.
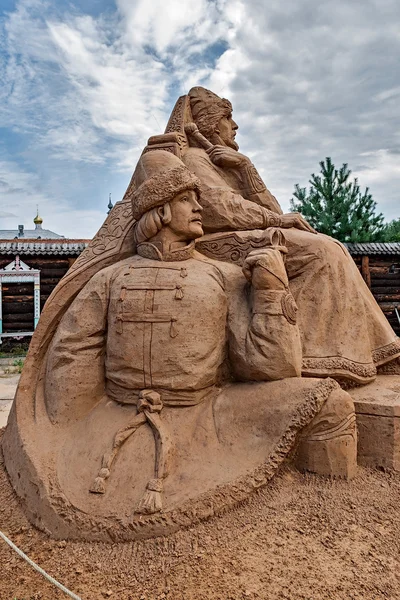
(184, 199)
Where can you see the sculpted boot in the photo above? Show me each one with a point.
(328, 445)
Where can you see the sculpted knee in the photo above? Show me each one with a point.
(339, 406)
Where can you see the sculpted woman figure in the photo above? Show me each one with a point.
(343, 331)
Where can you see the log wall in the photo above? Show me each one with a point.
(382, 275)
(18, 298)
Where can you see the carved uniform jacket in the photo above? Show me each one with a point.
(179, 325)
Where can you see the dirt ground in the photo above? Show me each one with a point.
(303, 537)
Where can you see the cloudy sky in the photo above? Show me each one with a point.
(83, 84)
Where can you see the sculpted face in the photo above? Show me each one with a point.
(186, 221)
(227, 131)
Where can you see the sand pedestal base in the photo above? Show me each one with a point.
(377, 408)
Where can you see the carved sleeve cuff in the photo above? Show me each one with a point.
(275, 303)
(273, 220)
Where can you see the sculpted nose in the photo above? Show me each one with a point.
(197, 207)
(235, 125)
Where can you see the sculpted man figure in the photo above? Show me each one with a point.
(171, 388)
(344, 333)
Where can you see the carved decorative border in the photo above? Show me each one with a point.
(386, 353)
(109, 234)
(231, 247)
(338, 366)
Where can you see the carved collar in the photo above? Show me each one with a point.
(149, 250)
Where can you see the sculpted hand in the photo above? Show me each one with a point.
(295, 220)
(265, 270)
(223, 156)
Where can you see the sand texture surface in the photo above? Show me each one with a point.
(302, 537)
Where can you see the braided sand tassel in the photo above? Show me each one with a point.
(99, 484)
(149, 407)
(179, 292)
(152, 498)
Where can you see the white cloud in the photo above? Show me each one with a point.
(79, 87)
(20, 194)
(159, 23)
(381, 170)
(306, 82)
(117, 91)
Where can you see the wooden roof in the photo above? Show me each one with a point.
(374, 248)
(40, 247)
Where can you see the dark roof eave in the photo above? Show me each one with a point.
(34, 247)
(374, 248)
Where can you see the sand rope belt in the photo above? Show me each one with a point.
(37, 568)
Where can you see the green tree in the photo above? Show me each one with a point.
(391, 231)
(336, 206)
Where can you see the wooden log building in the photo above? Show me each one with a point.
(379, 264)
(52, 257)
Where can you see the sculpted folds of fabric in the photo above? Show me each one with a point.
(344, 333)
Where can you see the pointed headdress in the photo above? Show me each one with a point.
(207, 109)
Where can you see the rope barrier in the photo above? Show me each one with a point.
(37, 568)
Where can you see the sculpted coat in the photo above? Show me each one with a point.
(181, 324)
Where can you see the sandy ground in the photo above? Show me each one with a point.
(303, 537)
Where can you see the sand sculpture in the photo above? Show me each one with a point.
(164, 381)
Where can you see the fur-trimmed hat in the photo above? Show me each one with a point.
(158, 178)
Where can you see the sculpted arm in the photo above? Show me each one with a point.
(264, 340)
(75, 364)
(253, 188)
(223, 209)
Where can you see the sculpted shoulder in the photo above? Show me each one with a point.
(113, 270)
(230, 275)
(194, 155)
